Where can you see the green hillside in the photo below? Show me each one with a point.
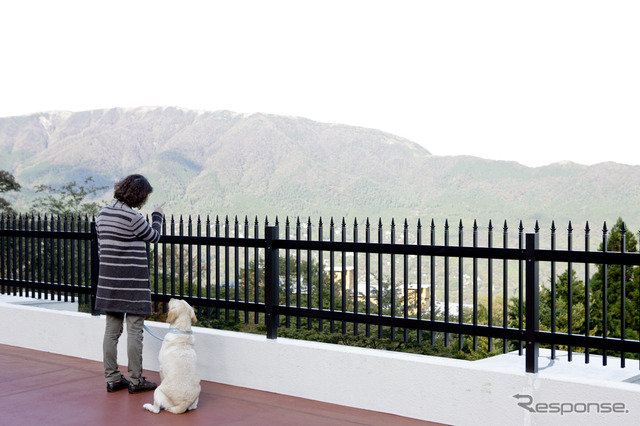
(226, 163)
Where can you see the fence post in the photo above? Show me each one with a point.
(271, 281)
(95, 267)
(533, 304)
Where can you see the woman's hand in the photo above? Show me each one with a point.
(159, 208)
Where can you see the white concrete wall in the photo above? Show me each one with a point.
(430, 388)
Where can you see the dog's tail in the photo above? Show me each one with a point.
(154, 408)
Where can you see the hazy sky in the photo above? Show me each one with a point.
(534, 82)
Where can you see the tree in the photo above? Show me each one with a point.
(7, 183)
(561, 302)
(615, 327)
(69, 199)
(613, 288)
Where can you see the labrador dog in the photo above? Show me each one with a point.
(179, 388)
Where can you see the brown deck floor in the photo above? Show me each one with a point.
(48, 389)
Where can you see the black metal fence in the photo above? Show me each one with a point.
(366, 279)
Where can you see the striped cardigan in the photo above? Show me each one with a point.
(123, 282)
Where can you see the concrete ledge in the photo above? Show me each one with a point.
(493, 391)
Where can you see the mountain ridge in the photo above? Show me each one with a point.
(211, 162)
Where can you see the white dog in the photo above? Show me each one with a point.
(179, 388)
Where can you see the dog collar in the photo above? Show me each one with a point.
(176, 331)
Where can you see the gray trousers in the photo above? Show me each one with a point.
(112, 333)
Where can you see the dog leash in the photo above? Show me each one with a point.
(171, 330)
(152, 333)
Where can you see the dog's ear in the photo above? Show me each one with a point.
(194, 319)
(172, 315)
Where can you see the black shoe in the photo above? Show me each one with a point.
(143, 386)
(119, 385)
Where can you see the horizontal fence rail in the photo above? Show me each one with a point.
(396, 283)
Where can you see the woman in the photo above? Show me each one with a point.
(123, 282)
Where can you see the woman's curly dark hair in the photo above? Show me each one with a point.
(132, 190)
